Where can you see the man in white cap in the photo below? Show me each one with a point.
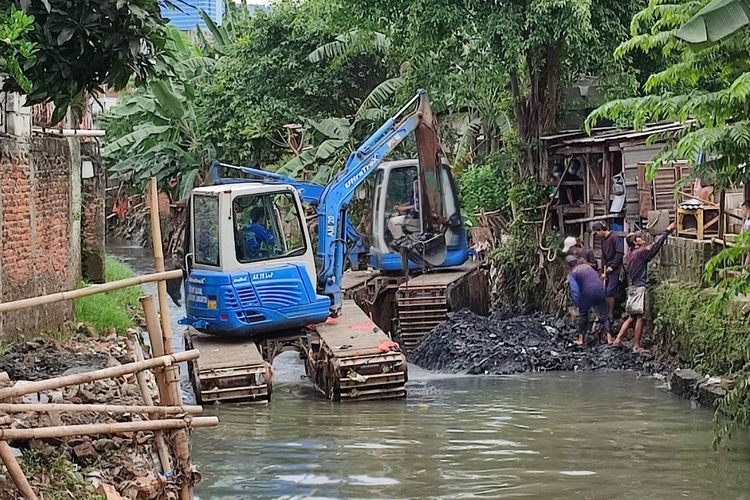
(573, 246)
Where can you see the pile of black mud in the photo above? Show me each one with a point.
(503, 344)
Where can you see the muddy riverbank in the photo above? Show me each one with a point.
(503, 344)
(81, 467)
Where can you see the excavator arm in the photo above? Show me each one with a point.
(360, 164)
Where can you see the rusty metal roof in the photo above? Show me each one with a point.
(600, 136)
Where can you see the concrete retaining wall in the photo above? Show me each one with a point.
(683, 259)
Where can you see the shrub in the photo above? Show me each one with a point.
(714, 341)
(486, 186)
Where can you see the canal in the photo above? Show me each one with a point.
(589, 435)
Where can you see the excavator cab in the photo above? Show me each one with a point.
(251, 263)
(396, 216)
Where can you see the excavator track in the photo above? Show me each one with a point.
(347, 358)
(351, 359)
(424, 301)
(230, 370)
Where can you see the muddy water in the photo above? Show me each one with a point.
(607, 435)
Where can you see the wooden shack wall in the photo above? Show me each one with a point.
(631, 156)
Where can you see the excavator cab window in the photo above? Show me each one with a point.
(267, 226)
(206, 229)
(402, 202)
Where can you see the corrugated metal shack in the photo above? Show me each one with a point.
(593, 173)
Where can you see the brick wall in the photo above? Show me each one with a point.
(92, 215)
(683, 259)
(39, 221)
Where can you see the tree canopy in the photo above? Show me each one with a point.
(82, 45)
(265, 81)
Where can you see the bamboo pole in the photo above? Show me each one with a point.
(166, 328)
(113, 428)
(161, 446)
(90, 290)
(157, 348)
(82, 378)
(77, 408)
(15, 472)
(172, 395)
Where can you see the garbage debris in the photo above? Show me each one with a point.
(504, 344)
(115, 465)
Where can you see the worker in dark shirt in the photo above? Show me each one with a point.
(612, 253)
(587, 291)
(574, 246)
(639, 255)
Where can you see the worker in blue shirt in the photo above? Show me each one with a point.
(256, 233)
(587, 291)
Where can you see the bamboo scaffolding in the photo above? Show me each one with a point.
(113, 428)
(15, 472)
(90, 290)
(82, 378)
(99, 408)
(171, 395)
(161, 446)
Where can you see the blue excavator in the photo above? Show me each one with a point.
(252, 273)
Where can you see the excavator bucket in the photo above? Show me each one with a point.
(429, 247)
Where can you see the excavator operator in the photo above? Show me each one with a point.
(253, 235)
(408, 214)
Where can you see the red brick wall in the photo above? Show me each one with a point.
(35, 220)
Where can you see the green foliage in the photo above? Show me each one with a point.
(156, 130)
(494, 61)
(16, 52)
(56, 477)
(717, 20)
(266, 80)
(487, 185)
(714, 341)
(112, 310)
(520, 279)
(730, 264)
(708, 84)
(82, 46)
(718, 342)
(333, 139)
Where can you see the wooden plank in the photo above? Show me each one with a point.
(352, 332)
(645, 200)
(225, 352)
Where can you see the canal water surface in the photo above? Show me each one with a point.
(557, 435)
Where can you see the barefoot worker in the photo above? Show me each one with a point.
(636, 263)
(587, 291)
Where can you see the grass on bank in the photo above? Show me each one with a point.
(112, 310)
(56, 477)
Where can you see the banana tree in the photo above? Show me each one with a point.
(156, 131)
(715, 21)
(332, 139)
